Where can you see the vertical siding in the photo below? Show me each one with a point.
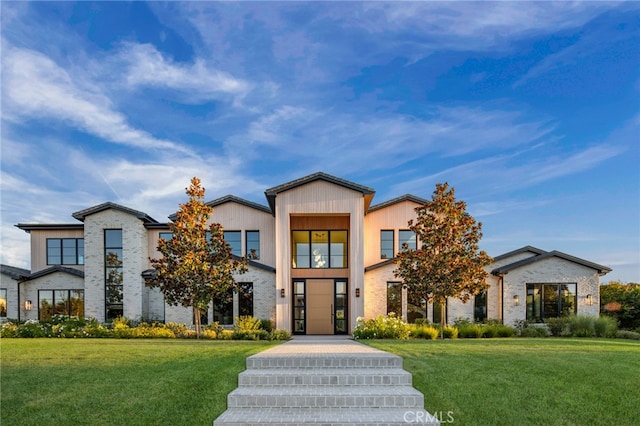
(394, 217)
(39, 246)
(319, 197)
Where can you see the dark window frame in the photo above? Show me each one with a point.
(345, 255)
(238, 252)
(78, 256)
(401, 242)
(245, 296)
(3, 309)
(113, 272)
(480, 315)
(561, 302)
(249, 247)
(396, 286)
(53, 302)
(384, 254)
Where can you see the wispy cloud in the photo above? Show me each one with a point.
(197, 82)
(36, 87)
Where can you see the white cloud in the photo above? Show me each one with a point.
(36, 87)
(198, 82)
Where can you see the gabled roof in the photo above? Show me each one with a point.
(380, 265)
(272, 192)
(28, 227)
(406, 197)
(14, 272)
(53, 269)
(530, 249)
(232, 199)
(82, 214)
(546, 255)
(150, 273)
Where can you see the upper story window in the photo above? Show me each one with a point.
(386, 244)
(253, 245)
(65, 251)
(114, 274)
(319, 249)
(409, 238)
(233, 238)
(167, 236)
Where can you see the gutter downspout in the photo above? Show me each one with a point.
(502, 298)
(18, 286)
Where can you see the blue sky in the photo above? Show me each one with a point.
(530, 110)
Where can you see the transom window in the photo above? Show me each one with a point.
(319, 249)
(550, 301)
(386, 244)
(65, 251)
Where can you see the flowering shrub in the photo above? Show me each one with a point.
(381, 327)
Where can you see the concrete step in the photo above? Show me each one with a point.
(334, 417)
(325, 376)
(326, 396)
(382, 360)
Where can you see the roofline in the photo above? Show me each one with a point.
(271, 193)
(157, 226)
(232, 199)
(380, 264)
(51, 270)
(602, 270)
(524, 249)
(400, 199)
(28, 227)
(82, 214)
(150, 273)
(14, 272)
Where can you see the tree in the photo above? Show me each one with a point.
(197, 266)
(447, 262)
(622, 302)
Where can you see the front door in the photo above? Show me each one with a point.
(320, 309)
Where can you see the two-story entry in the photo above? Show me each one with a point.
(320, 256)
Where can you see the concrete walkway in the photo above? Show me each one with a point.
(331, 380)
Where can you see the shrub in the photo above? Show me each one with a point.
(460, 321)
(250, 335)
(521, 325)
(179, 330)
(225, 335)
(266, 325)
(247, 324)
(504, 330)
(470, 331)
(152, 331)
(557, 326)
(381, 327)
(626, 334)
(9, 329)
(421, 321)
(209, 334)
(215, 327)
(280, 334)
(605, 327)
(536, 331)
(424, 332)
(32, 329)
(449, 332)
(582, 325)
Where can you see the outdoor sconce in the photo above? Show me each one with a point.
(282, 292)
(589, 299)
(27, 305)
(516, 300)
(357, 292)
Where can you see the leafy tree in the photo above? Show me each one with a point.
(447, 262)
(622, 302)
(197, 265)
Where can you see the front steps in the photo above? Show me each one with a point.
(328, 382)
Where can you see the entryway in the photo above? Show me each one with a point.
(320, 306)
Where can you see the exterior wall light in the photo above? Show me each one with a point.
(357, 292)
(516, 300)
(589, 299)
(28, 305)
(282, 292)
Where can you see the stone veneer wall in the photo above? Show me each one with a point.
(550, 270)
(135, 260)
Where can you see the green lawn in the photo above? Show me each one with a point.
(118, 382)
(526, 381)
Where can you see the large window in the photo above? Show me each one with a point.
(480, 307)
(416, 307)
(438, 310)
(114, 289)
(65, 251)
(223, 310)
(550, 301)
(3, 302)
(394, 298)
(407, 240)
(253, 245)
(234, 239)
(319, 249)
(386, 244)
(245, 299)
(60, 302)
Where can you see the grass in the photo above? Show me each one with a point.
(111, 381)
(526, 381)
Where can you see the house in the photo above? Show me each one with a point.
(320, 256)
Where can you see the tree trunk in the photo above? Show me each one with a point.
(443, 318)
(196, 315)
